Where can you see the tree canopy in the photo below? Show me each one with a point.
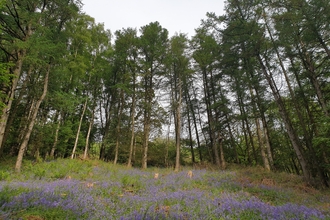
(250, 87)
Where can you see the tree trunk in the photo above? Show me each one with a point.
(129, 163)
(10, 96)
(79, 126)
(195, 126)
(52, 152)
(120, 112)
(211, 121)
(89, 133)
(145, 144)
(262, 146)
(267, 141)
(222, 154)
(178, 126)
(190, 137)
(31, 123)
(285, 117)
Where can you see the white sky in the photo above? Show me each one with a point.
(181, 16)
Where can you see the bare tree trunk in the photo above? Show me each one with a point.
(287, 122)
(52, 152)
(232, 141)
(145, 144)
(121, 107)
(268, 146)
(210, 118)
(190, 137)
(148, 97)
(31, 123)
(168, 142)
(78, 131)
(91, 123)
(262, 146)
(178, 127)
(195, 126)
(129, 163)
(222, 153)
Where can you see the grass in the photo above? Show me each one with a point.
(75, 189)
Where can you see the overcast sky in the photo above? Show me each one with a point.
(181, 16)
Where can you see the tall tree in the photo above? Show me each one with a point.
(32, 33)
(205, 55)
(178, 74)
(153, 46)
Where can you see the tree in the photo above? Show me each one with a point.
(178, 75)
(153, 45)
(205, 55)
(126, 55)
(31, 33)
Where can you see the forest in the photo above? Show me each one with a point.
(251, 87)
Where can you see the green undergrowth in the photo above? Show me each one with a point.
(273, 188)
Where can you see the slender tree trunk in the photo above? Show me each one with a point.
(232, 140)
(222, 153)
(91, 123)
(121, 107)
(178, 126)
(31, 123)
(262, 146)
(190, 137)
(145, 144)
(168, 143)
(129, 163)
(52, 152)
(211, 121)
(148, 97)
(256, 113)
(267, 141)
(10, 97)
(190, 104)
(79, 126)
(291, 132)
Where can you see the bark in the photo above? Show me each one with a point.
(211, 121)
(52, 152)
(222, 154)
(79, 127)
(129, 163)
(287, 122)
(10, 94)
(190, 104)
(121, 107)
(190, 137)
(262, 145)
(88, 134)
(178, 126)
(232, 140)
(146, 128)
(32, 120)
(267, 141)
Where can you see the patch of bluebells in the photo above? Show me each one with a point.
(135, 194)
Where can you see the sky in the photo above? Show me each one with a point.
(177, 16)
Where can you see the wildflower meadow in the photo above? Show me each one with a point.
(74, 189)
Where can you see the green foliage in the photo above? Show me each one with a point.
(131, 183)
(7, 192)
(4, 175)
(5, 80)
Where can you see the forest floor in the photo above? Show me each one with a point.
(75, 189)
